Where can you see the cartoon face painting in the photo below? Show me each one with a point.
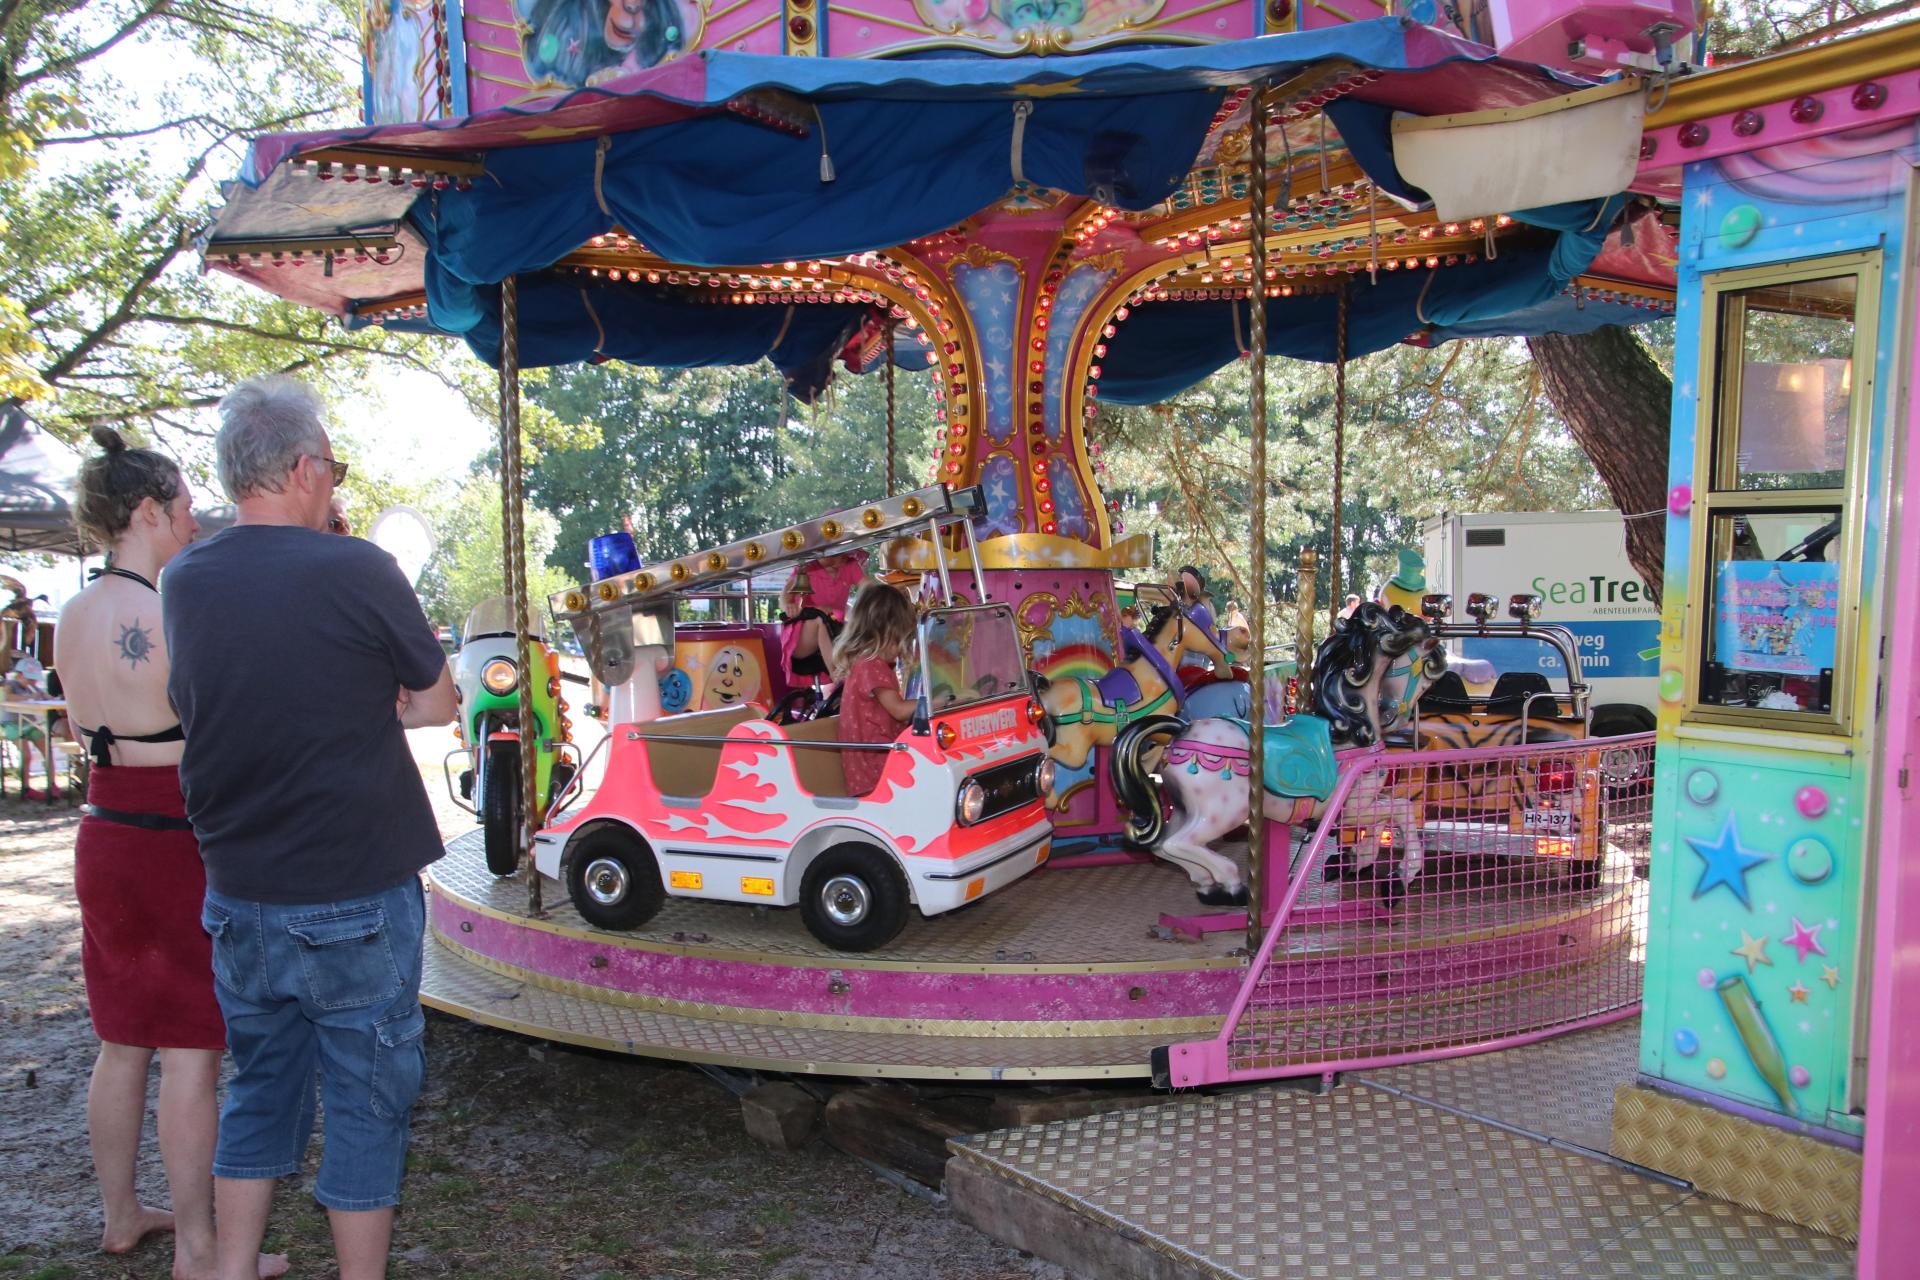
(579, 42)
(732, 678)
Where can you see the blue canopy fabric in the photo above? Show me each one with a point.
(1166, 347)
(571, 320)
(915, 145)
(836, 156)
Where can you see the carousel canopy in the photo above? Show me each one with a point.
(722, 158)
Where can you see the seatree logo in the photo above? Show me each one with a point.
(1596, 589)
(991, 722)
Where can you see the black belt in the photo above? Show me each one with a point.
(145, 821)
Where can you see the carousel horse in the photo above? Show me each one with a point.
(1366, 679)
(1088, 713)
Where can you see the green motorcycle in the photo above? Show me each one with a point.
(486, 678)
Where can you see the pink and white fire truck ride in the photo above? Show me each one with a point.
(731, 806)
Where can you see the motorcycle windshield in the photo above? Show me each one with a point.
(494, 617)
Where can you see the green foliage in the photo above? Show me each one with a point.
(467, 565)
(1462, 428)
(699, 457)
(1748, 28)
(109, 167)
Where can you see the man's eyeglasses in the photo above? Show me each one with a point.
(339, 468)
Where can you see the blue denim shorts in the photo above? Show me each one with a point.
(329, 991)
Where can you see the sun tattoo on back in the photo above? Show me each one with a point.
(136, 643)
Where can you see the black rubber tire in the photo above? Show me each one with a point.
(614, 855)
(1620, 720)
(500, 807)
(1585, 876)
(558, 779)
(885, 913)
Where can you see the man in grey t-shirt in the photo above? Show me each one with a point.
(298, 660)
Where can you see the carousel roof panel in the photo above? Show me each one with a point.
(722, 158)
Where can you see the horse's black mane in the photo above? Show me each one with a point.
(1157, 619)
(1344, 662)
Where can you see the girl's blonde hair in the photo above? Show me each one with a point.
(880, 625)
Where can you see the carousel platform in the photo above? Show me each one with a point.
(1071, 974)
(1488, 1166)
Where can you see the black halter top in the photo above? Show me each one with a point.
(100, 741)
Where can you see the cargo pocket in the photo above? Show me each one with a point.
(218, 926)
(399, 1061)
(347, 957)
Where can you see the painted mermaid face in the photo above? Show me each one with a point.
(625, 21)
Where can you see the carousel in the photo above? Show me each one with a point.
(1087, 870)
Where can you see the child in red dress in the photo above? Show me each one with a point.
(879, 635)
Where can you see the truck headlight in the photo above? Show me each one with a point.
(1043, 778)
(973, 801)
(500, 676)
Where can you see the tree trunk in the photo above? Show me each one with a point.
(1618, 405)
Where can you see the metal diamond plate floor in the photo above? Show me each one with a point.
(455, 986)
(1560, 1089)
(1362, 1184)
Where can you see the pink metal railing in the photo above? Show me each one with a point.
(1525, 913)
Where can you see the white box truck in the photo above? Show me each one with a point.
(1576, 562)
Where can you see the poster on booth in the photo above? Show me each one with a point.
(1774, 617)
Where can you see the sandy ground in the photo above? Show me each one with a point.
(528, 1160)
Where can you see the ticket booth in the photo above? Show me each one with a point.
(1786, 636)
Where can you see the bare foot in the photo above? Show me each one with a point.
(271, 1265)
(123, 1237)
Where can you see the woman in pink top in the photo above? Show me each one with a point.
(812, 618)
(879, 635)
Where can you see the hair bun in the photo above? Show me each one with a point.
(108, 439)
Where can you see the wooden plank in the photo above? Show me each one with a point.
(1024, 1219)
(899, 1129)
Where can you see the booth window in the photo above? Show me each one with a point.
(1777, 515)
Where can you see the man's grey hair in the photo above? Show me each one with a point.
(266, 424)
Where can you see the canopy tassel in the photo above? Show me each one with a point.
(826, 160)
(1373, 239)
(600, 174)
(1021, 110)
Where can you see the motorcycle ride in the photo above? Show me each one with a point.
(486, 678)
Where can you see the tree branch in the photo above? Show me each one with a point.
(62, 65)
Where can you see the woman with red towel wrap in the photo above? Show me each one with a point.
(137, 871)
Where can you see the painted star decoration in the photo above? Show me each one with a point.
(1804, 940)
(1830, 976)
(1727, 863)
(1799, 992)
(1753, 950)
